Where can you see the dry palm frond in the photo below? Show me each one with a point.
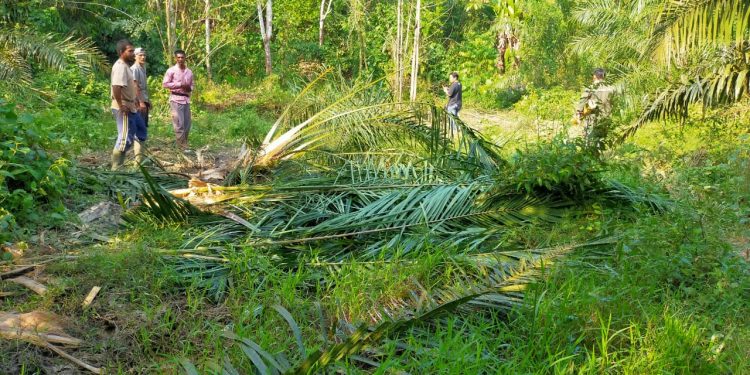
(42, 329)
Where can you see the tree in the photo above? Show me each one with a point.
(357, 28)
(266, 30)
(208, 39)
(398, 52)
(171, 20)
(415, 52)
(325, 10)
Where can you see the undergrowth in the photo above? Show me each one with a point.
(670, 296)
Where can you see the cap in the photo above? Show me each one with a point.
(140, 51)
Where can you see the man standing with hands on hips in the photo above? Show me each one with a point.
(179, 81)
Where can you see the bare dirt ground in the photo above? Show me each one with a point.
(508, 127)
(208, 163)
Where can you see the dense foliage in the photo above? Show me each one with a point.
(31, 180)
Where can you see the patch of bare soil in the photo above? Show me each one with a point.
(486, 121)
(207, 163)
(741, 245)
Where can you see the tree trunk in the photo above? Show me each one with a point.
(398, 53)
(415, 52)
(266, 30)
(208, 39)
(358, 25)
(515, 44)
(325, 9)
(171, 19)
(502, 47)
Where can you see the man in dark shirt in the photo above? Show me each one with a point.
(454, 94)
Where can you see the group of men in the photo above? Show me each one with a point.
(131, 102)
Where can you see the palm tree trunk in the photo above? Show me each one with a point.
(398, 54)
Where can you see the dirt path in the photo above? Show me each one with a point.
(509, 126)
(492, 121)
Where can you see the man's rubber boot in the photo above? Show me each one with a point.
(118, 159)
(140, 150)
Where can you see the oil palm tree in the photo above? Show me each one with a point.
(20, 49)
(347, 175)
(716, 34)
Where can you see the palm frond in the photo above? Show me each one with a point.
(126, 184)
(619, 191)
(498, 282)
(161, 205)
(615, 30)
(49, 50)
(684, 25)
(726, 85)
(364, 119)
(13, 67)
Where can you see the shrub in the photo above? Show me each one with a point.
(556, 104)
(271, 97)
(30, 179)
(560, 166)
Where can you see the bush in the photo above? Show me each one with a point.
(548, 30)
(556, 104)
(30, 179)
(560, 166)
(271, 97)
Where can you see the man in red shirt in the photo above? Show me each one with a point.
(179, 81)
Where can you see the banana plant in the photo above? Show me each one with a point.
(508, 18)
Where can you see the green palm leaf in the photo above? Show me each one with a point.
(726, 85)
(49, 50)
(685, 25)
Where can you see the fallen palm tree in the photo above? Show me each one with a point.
(355, 177)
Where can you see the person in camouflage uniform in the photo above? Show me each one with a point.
(594, 109)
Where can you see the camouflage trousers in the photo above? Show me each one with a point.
(595, 132)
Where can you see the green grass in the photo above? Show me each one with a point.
(672, 296)
(96, 133)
